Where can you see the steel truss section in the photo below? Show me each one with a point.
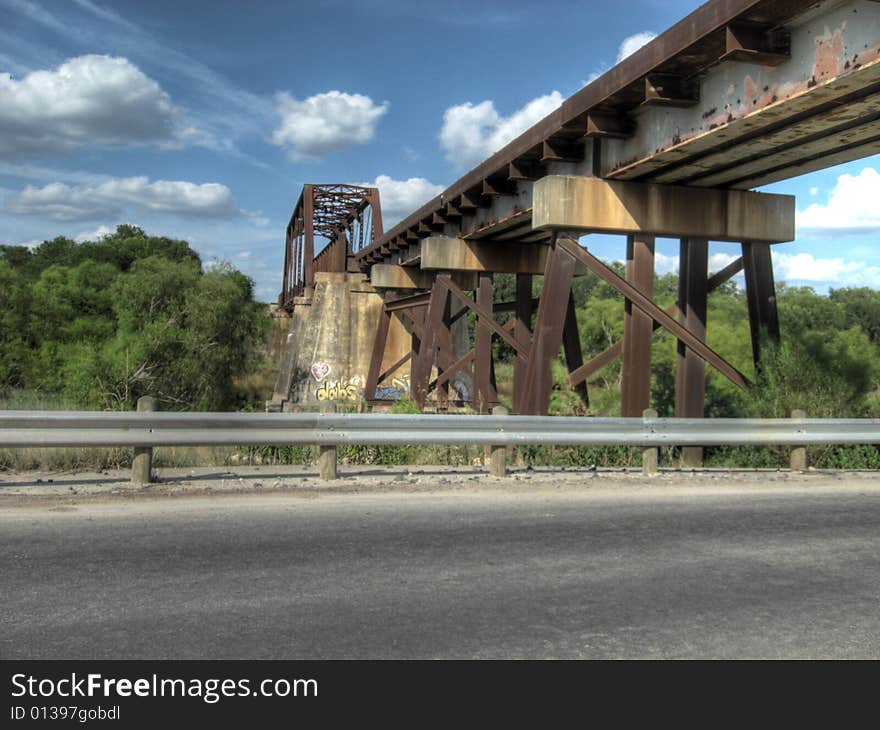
(348, 217)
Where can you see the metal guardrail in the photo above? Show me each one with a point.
(89, 429)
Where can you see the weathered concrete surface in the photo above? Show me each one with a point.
(289, 351)
(330, 344)
(445, 253)
(590, 204)
(280, 327)
(390, 276)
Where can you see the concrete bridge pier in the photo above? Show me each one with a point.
(329, 346)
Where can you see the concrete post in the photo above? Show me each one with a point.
(327, 462)
(142, 464)
(498, 454)
(799, 453)
(651, 455)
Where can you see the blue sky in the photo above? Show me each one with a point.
(202, 120)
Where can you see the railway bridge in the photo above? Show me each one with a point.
(670, 142)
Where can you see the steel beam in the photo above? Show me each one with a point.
(485, 394)
(523, 332)
(420, 373)
(647, 306)
(761, 297)
(611, 353)
(571, 346)
(380, 340)
(690, 373)
(638, 329)
(549, 325)
(309, 239)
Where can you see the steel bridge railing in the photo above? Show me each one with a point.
(88, 429)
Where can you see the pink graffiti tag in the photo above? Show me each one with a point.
(320, 370)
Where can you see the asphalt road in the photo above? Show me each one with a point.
(651, 572)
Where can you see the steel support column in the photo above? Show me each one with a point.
(309, 238)
(638, 328)
(523, 332)
(690, 375)
(444, 342)
(761, 297)
(420, 373)
(379, 343)
(485, 395)
(549, 325)
(571, 346)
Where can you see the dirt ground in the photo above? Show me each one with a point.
(70, 488)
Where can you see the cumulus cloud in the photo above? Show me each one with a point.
(399, 198)
(804, 267)
(88, 100)
(473, 132)
(110, 199)
(664, 264)
(627, 47)
(851, 207)
(631, 44)
(95, 235)
(314, 127)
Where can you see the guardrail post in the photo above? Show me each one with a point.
(650, 455)
(799, 453)
(498, 454)
(327, 462)
(142, 464)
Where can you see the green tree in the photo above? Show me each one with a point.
(104, 322)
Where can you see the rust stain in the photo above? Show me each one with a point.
(831, 62)
(829, 55)
(751, 87)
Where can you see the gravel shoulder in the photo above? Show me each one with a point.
(60, 489)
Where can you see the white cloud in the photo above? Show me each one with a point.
(37, 14)
(224, 110)
(627, 47)
(593, 76)
(88, 100)
(473, 132)
(851, 207)
(95, 235)
(838, 271)
(32, 244)
(313, 128)
(805, 267)
(632, 43)
(61, 202)
(42, 173)
(664, 264)
(402, 197)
